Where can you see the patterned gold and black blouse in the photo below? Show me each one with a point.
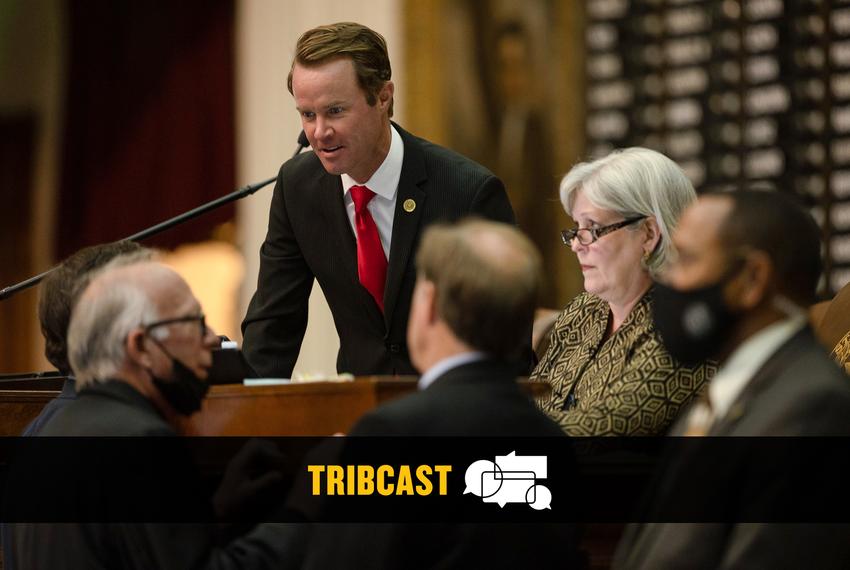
(841, 352)
(626, 384)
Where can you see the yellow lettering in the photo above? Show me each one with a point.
(385, 488)
(349, 479)
(443, 471)
(316, 471)
(365, 479)
(422, 473)
(405, 481)
(335, 483)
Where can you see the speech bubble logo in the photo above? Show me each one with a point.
(539, 497)
(513, 462)
(511, 478)
(474, 479)
(513, 489)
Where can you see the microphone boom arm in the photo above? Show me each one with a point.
(162, 226)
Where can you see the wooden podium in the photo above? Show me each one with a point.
(306, 409)
(310, 408)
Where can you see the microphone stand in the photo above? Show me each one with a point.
(162, 226)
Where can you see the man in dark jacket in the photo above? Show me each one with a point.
(140, 349)
(349, 215)
(748, 263)
(55, 301)
(474, 299)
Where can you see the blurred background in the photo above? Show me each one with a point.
(118, 114)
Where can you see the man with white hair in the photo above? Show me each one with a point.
(139, 328)
(140, 348)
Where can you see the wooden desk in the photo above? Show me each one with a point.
(308, 409)
(19, 407)
(312, 408)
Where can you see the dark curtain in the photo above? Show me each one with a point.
(149, 128)
(17, 157)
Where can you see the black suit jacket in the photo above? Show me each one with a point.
(91, 477)
(65, 397)
(477, 399)
(310, 236)
(799, 391)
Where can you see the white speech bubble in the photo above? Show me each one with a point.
(514, 462)
(474, 477)
(513, 488)
(539, 497)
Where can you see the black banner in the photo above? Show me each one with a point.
(384, 479)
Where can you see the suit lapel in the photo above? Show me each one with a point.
(762, 380)
(406, 221)
(331, 199)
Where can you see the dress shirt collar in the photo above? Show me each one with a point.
(447, 364)
(384, 182)
(742, 365)
(69, 388)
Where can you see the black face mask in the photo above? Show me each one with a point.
(693, 324)
(184, 391)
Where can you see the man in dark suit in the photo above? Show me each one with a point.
(748, 262)
(140, 349)
(474, 299)
(55, 301)
(350, 213)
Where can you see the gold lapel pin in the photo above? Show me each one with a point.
(409, 205)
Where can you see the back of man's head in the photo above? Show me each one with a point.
(61, 287)
(487, 278)
(118, 299)
(776, 224)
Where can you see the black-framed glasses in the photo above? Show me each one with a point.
(201, 319)
(587, 236)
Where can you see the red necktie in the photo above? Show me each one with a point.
(371, 263)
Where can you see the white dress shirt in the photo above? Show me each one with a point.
(739, 370)
(447, 364)
(384, 183)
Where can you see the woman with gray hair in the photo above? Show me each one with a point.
(609, 371)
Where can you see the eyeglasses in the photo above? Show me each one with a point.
(201, 319)
(587, 236)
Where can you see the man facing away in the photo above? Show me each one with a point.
(350, 213)
(55, 302)
(474, 299)
(140, 349)
(748, 265)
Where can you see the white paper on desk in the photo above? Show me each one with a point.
(265, 381)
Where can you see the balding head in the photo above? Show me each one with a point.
(486, 277)
(118, 299)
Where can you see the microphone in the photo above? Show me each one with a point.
(302, 143)
(162, 226)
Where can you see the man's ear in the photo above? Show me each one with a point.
(137, 350)
(653, 235)
(429, 299)
(755, 280)
(385, 95)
